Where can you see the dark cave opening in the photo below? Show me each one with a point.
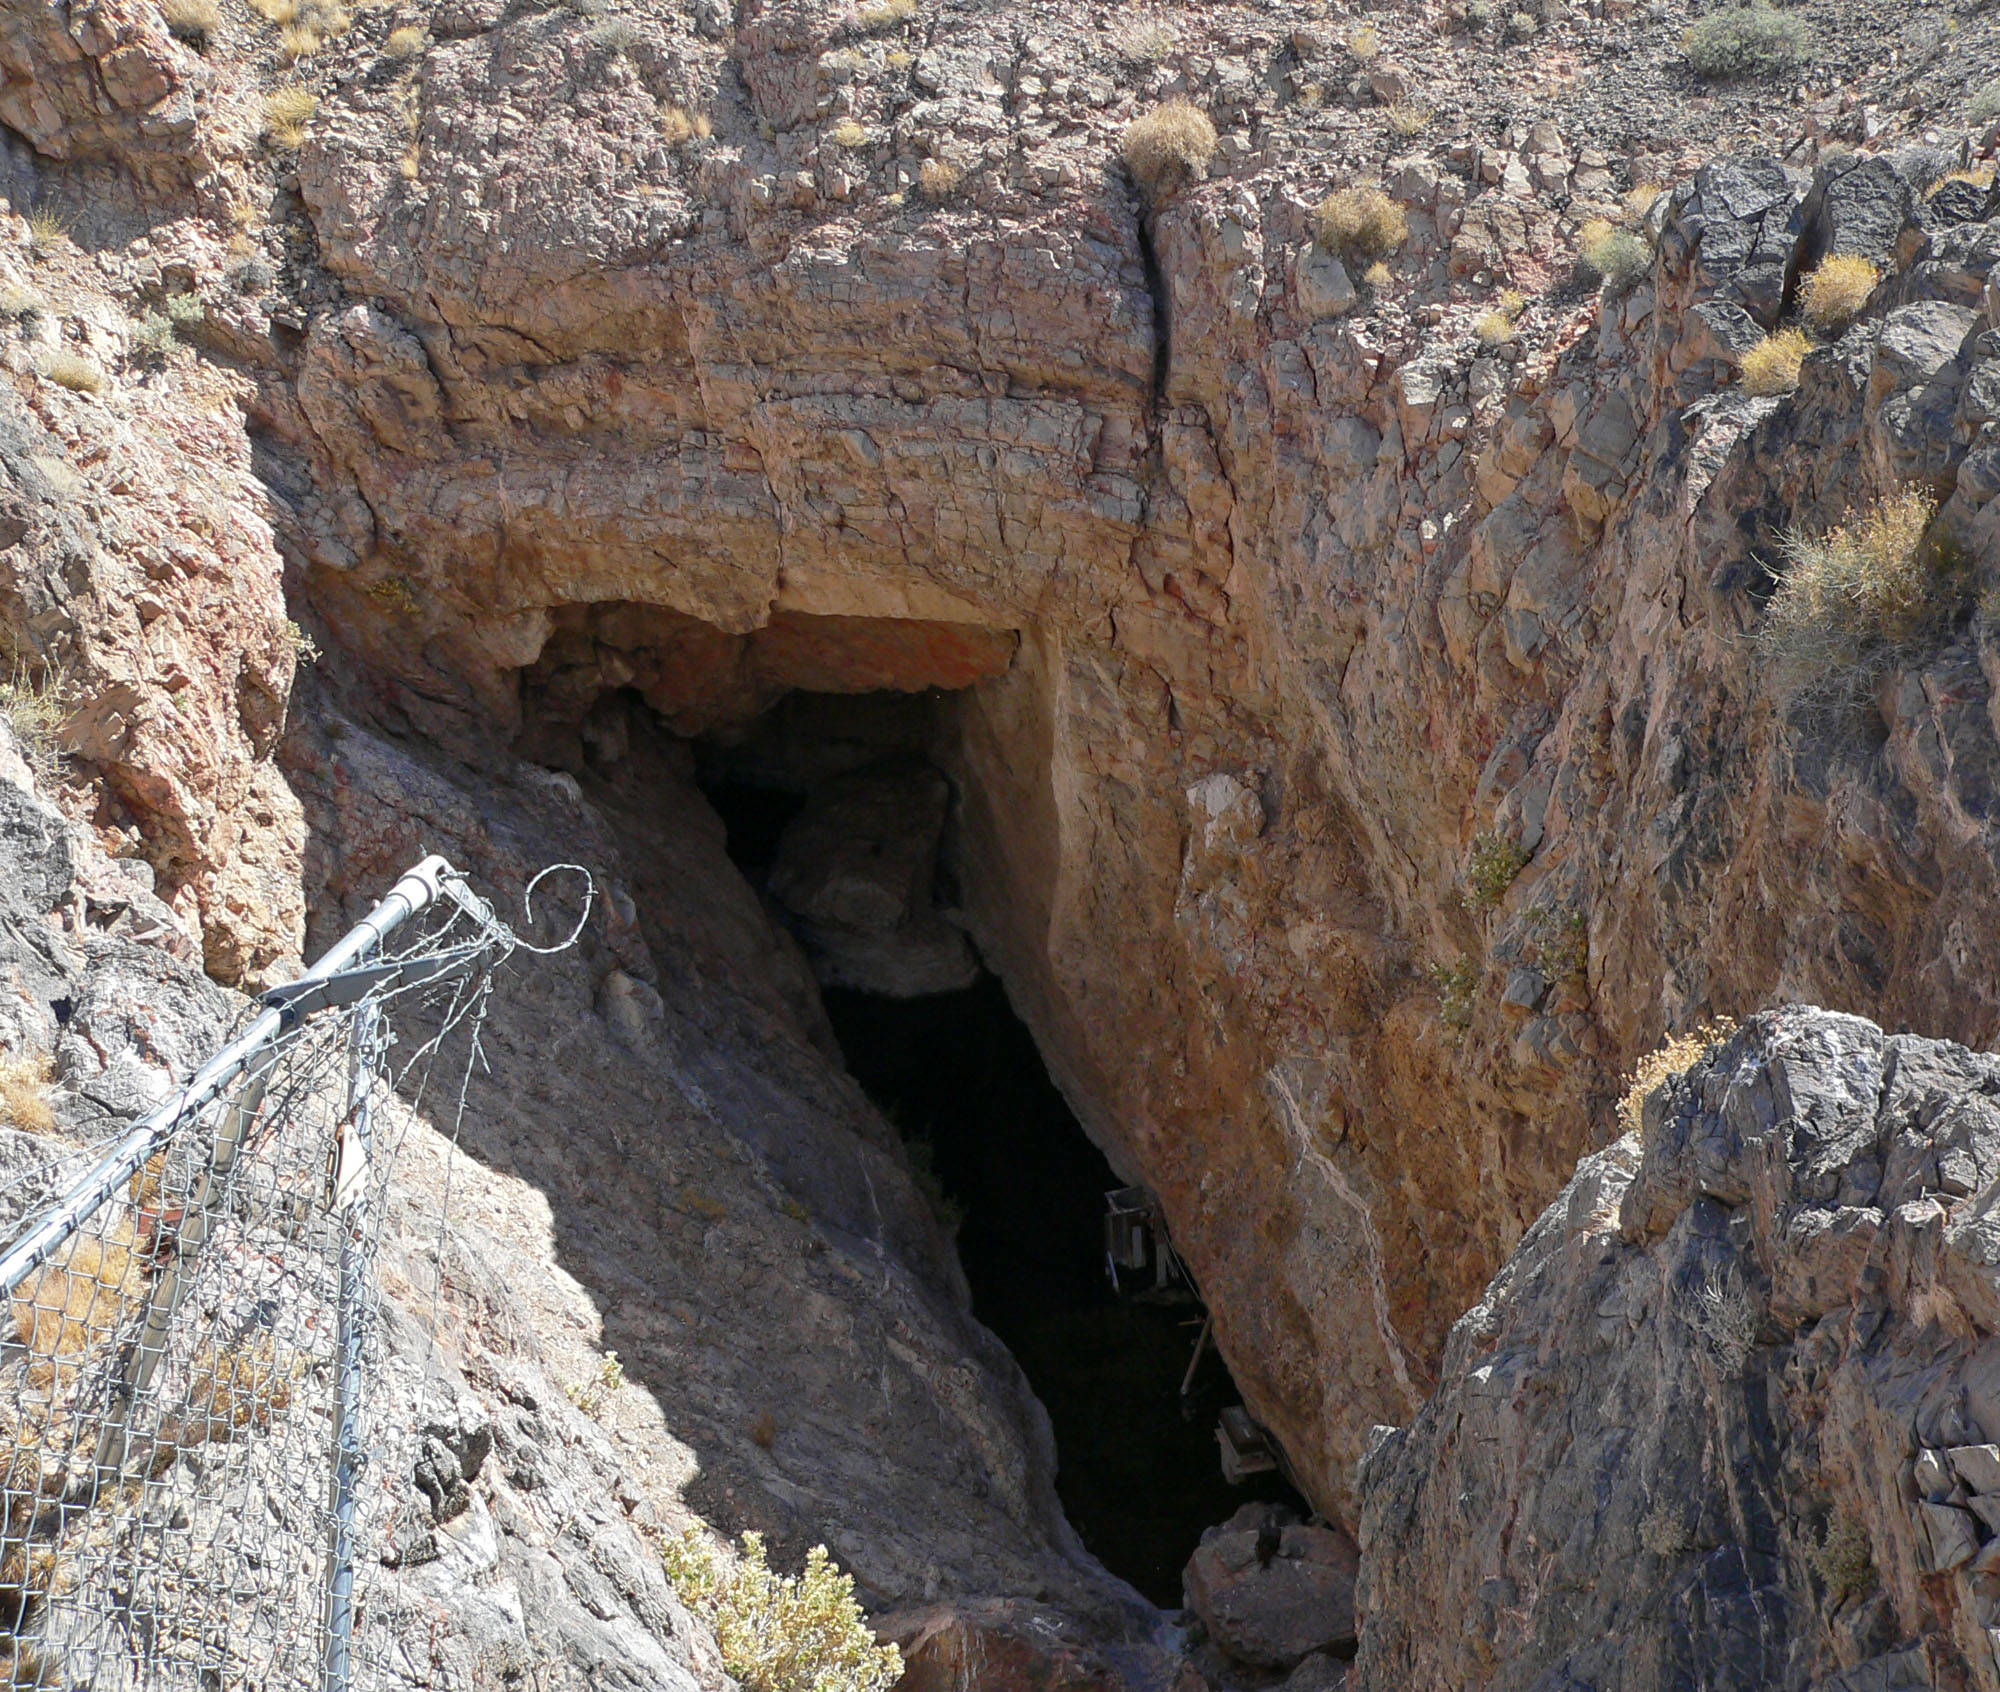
(1002, 1157)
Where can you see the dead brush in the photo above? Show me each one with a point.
(1171, 145)
(24, 1093)
(238, 1389)
(76, 1303)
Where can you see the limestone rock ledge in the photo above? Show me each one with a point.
(1727, 1417)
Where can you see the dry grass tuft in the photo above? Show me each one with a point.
(1494, 329)
(1360, 224)
(77, 1300)
(75, 371)
(286, 113)
(47, 227)
(192, 21)
(872, 15)
(276, 12)
(680, 126)
(34, 706)
(1365, 43)
(1146, 43)
(1676, 1057)
(1378, 276)
(238, 1389)
(1170, 145)
(1408, 118)
(1851, 597)
(1835, 292)
(24, 1094)
(849, 132)
(1639, 201)
(405, 43)
(939, 179)
(298, 41)
(1772, 365)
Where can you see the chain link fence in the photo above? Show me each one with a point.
(191, 1458)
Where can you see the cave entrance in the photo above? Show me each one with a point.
(838, 813)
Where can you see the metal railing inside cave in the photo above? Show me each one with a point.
(193, 1368)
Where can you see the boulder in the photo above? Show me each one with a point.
(1272, 1592)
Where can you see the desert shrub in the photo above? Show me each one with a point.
(1495, 862)
(406, 42)
(192, 21)
(938, 179)
(1365, 43)
(286, 112)
(1493, 329)
(1146, 43)
(276, 12)
(680, 126)
(1844, 1558)
(1616, 257)
(872, 15)
(1378, 276)
(22, 303)
(1360, 224)
(1454, 984)
(590, 1396)
(614, 35)
(1772, 365)
(1676, 1057)
(1745, 41)
(1984, 106)
(1834, 292)
(1722, 1317)
(1562, 943)
(154, 335)
(77, 1300)
(24, 1094)
(75, 371)
(47, 227)
(1408, 118)
(237, 1389)
(298, 41)
(1521, 26)
(848, 132)
(781, 1633)
(1848, 599)
(35, 710)
(1168, 146)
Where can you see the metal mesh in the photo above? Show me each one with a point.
(191, 1458)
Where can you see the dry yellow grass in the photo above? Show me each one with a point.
(1858, 590)
(1618, 256)
(240, 1389)
(76, 1301)
(1378, 275)
(938, 179)
(1365, 43)
(406, 42)
(1639, 201)
(1676, 1057)
(298, 41)
(278, 12)
(1360, 224)
(24, 1094)
(1168, 146)
(286, 112)
(1408, 118)
(75, 371)
(1834, 292)
(849, 132)
(191, 20)
(872, 15)
(1772, 365)
(679, 125)
(1493, 329)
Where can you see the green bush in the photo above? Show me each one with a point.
(1745, 41)
(1496, 861)
(781, 1633)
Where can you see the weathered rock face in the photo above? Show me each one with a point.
(1726, 1417)
(1358, 752)
(1271, 1591)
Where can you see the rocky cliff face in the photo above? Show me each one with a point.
(1726, 1418)
(1359, 749)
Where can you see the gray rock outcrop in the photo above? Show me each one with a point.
(1727, 1417)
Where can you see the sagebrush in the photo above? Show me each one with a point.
(1745, 41)
(781, 1633)
(1616, 257)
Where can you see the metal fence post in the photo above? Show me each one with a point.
(349, 1202)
